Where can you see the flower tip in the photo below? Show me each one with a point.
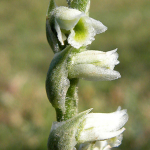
(119, 75)
(122, 130)
(119, 108)
(104, 29)
(89, 110)
(116, 75)
(115, 51)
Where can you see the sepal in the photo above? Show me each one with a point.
(51, 34)
(51, 37)
(51, 6)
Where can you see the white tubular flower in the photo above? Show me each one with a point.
(76, 25)
(103, 126)
(94, 65)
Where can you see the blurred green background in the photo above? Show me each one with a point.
(26, 115)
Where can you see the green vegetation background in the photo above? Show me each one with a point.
(26, 115)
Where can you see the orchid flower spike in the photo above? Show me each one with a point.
(94, 65)
(104, 126)
(75, 26)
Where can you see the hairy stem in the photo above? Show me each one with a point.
(71, 102)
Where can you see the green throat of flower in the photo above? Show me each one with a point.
(81, 31)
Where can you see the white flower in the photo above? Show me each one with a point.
(94, 65)
(75, 26)
(103, 126)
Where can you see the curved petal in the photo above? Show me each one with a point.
(98, 26)
(61, 36)
(92, 73)
(116, 141)
(107, 121)
(66, 17)
(91, 135)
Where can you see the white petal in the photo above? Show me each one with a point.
(111, 57)
(92, 72)
(116, 141)
(98, 26)
(83, 36)
(106, 60)
(101, 145)
(66, 17)
(60, 35)
(109, 143)
(107, 121)
(93, 135)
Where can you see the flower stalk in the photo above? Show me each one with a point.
(69, 31)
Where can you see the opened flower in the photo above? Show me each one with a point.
(103, 126)
(94, 65)
(75, 26)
